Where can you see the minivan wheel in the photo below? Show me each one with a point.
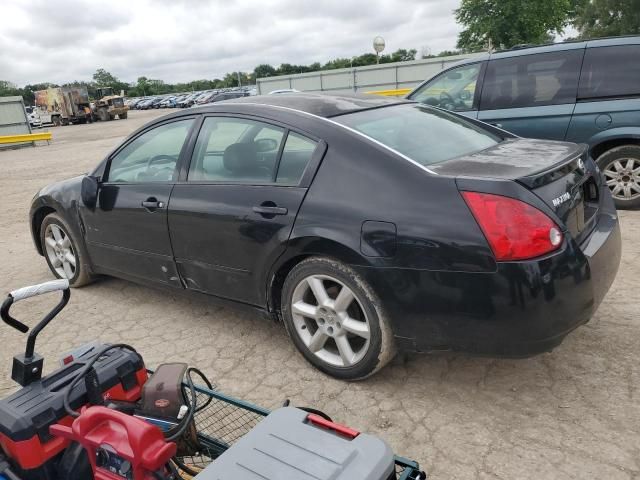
(336, 320)
(621, 169)
(61, 251)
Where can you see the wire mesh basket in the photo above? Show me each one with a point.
(222, 420)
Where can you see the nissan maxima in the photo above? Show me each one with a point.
(364, 225)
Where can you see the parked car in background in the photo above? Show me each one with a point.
(166, 101)
(366, 225)
(187, 101)
(156, 103)
(205, 98)
(584, 92)
(34, 117)
(219, 97)
(149, 103)
(284, 90)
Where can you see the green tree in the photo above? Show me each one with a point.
(505, 23)
(403, 55)
(604, 18)
(264, 70)
(8, 89)
(102, 78)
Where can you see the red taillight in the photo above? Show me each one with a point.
(515, 230)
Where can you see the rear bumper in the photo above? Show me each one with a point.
(521, 309)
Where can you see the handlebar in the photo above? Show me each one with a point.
(40, 289)
(32, 291)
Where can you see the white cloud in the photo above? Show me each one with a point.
(180, 40)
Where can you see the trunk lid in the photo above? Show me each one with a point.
(561, 174)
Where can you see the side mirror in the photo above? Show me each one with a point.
(89, 192)
(454, 75)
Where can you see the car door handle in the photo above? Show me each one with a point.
(152, 204)
(270, 210)
(498, 125)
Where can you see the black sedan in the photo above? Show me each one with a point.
(365, 225)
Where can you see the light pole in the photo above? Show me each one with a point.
(378, 46)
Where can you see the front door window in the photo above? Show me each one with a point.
(453, 90)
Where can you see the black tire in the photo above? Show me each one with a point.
(381, 346)
(123, 116)
(82, 275)
(622, 178)
(103, 114)
(56, 121)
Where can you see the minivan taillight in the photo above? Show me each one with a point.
(515, 230)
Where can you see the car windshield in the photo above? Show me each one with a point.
(424, 134)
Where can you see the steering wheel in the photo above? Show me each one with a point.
(157, 172)
(447, 101)
(160, 159)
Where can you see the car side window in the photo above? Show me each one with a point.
(610, 72)
(152, 156)
(453, 90)
(236, 150)
(531, 80)
(296, 155)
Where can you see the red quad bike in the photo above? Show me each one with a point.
(102, 415)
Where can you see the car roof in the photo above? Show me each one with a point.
(321, 105)
(520, 50)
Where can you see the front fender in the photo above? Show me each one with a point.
(62, 198)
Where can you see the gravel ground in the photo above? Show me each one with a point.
(572, 413)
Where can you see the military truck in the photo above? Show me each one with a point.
(108, 105)
(62, 105)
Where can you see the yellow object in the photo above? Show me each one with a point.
(398, 92)
(27, 137)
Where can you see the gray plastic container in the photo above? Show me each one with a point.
(285, 446)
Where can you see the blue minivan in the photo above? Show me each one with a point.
(583, 92)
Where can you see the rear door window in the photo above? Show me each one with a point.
(531, 80)
(296, 155)
(610, 72)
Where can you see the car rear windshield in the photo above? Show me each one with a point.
(424, 134)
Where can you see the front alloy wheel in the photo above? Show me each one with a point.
(60, 251)
(63, 252)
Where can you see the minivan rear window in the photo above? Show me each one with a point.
(531, 80)
(424, 134)
(610, 72)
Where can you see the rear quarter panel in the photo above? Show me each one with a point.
(360, 182)
(599, 121)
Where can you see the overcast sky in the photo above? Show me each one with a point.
(180, 40)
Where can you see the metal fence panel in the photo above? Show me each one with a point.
(362, 79)
(13, 117)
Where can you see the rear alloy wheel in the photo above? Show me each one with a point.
(621, 169)
(61, 251)
(335, 319)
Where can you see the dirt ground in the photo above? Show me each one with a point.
(572, 413)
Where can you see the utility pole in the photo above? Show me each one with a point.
(239, 82)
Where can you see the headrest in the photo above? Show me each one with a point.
(239, 157)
